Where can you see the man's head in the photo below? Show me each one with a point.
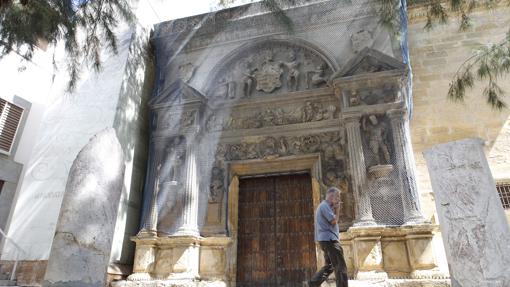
(333, 195)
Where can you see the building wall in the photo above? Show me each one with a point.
(435, 57)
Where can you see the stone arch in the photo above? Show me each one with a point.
(229, 78)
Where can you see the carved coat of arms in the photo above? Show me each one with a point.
(268, 76)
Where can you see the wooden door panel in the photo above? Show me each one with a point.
(275, 231)
(294, 230)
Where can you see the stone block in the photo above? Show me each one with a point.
(396, 262)
(82, 244)
(473, 223)
(421, 251)
(212, 262)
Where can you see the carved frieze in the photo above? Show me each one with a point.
(385, 94)
(311, 111)
(174, 121)
(267, 68)
(328, 144)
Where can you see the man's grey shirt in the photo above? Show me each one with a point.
(324, 230)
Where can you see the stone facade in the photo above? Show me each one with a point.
(435, 56)
(267, 103)
(227, 69)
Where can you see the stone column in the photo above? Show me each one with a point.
(405, 165)
(474, 229)
(150, 225)
(189, 225)
(358, 171)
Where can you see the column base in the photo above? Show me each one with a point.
(187, 231)
(144, 233)
(364, 222)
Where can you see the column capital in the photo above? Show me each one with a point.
(396, 113)
(351, 116)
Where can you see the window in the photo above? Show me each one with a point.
(10, 117)
(504, 193)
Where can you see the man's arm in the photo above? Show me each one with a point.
(329, 214)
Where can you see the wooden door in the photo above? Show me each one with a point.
(275, 231)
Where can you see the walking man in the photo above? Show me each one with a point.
(327, 235)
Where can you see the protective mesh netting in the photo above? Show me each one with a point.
(192, 60)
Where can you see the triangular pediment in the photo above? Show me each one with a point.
(369, 61)
(178, 93)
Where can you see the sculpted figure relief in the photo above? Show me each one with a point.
(293, 72)
(317, 77)
(216, 187)
(248, 78)
(268, 68)
(174, 156)
(376, 133)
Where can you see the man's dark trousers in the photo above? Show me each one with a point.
(334, 257)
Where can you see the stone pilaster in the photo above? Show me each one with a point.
(189, 225)
(406, 166)
(358, 171)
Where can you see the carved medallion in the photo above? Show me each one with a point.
(268, 77)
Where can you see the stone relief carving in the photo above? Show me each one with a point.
(360, 40)
(216, 187)
(173, 121)
(248, 79)
(188, 119)
(186, 72)
(293, 72)
(316, 77)
(311, 111)
(386, 94)
(173, 158)
(269, 74)
(376, 133)
(269, 68)
(329, 144)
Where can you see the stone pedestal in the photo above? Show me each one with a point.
(379, 253)
(358, 171)
(368, 257)
(145, 258)
(179, 261)
(473, 224)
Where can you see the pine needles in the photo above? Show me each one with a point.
(25, 24)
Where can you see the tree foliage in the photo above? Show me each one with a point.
(488, 65)
(84, 26)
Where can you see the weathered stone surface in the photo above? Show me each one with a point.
(82, 243)
(473, 222)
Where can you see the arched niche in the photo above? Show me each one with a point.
(270, 66)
